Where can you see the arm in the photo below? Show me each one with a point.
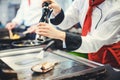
(19, 16)
(72, 41)
(17, 20)
(71, 15)
(58, 19)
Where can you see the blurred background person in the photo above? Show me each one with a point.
(29, 14)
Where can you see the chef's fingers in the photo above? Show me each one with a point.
(41, 24)
(50, 1)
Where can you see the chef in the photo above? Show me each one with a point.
(100, 21)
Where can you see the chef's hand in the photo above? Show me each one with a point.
(10, 25)
(31, 29)
(45, 29)
(53, 5)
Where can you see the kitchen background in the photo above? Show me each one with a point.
(8, 9)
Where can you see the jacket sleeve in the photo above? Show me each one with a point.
(58, 19)
(73, 42)
(72, 14)
(19, 16)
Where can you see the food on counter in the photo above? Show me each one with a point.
(44, 67)
(13, 36)
(20, 45)
(47, 65)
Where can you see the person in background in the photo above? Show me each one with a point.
(100, 22)
(28, 14)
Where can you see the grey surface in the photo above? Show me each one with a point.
(23, 63)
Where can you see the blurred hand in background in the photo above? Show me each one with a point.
(10, 25)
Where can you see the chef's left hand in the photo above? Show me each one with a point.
(45, 29)
(53, 5)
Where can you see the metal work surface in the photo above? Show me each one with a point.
(23, 61)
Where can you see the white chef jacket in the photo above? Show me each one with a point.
(105, 29)
(64, 4)
(30, 15)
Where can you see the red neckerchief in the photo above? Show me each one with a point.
(109, 54)
(29, 2)
(88, 19)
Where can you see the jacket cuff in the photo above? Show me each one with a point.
(58, 44)
(73, 41)
(58, 19)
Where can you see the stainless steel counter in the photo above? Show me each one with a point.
(21, 60)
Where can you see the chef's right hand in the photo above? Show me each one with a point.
(10, 25)
(53, 5)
